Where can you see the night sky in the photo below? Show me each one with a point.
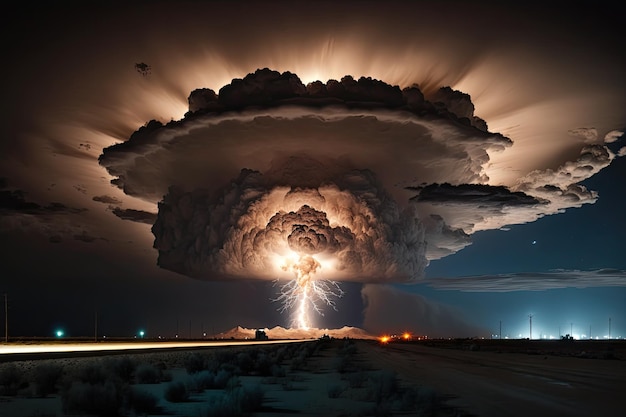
(436, 214)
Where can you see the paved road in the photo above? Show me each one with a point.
(489, 384)
(15, 351)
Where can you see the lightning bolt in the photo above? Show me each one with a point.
(304, 292)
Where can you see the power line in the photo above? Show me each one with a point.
(6, 318)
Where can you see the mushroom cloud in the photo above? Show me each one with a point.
(311, 185)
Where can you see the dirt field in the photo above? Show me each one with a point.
(366, 378)
(519, 378)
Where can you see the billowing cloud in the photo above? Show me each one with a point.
(351, 225)
(372, 180)
(389, 310)
(533, 281)
(613, 136)
(476, 207)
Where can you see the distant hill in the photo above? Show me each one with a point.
(282, 333)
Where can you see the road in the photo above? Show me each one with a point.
(490, 384)
(9, 352)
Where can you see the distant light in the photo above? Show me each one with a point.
(141, 333)
(406, 336)
(59, 333)
(384, 339)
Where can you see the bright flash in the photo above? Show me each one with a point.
(303, 293)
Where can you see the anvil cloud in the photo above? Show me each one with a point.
(374, 179)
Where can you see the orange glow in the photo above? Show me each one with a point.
(406, 336)
(384, 339)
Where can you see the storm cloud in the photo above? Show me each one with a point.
(390, 310)
(374, 180)
(351, 224)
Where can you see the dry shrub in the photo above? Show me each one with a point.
(45, 378)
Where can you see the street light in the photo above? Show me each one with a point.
(141, 333)
(59, 333)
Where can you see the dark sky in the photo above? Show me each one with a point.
(548, 82)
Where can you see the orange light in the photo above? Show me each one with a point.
(384, 339)
(406, 336)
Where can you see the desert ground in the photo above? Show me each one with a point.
(337, 377)
(514, 378)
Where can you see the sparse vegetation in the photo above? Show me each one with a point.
(123, 368)
(244, 363)
(202, 381)
(10, 380)
(91, 373)
(45, 378)
(148, 374)
(143, 403)
(241, 401)
(194, 363)
(384, 385)
(94, 399)
(248, 399)
(104, 387)
(221, 379)
(176, 392)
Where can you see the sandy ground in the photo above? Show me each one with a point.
(492, 383)
(472, 382)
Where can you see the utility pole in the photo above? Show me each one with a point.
(530, 318)
(6, 318)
